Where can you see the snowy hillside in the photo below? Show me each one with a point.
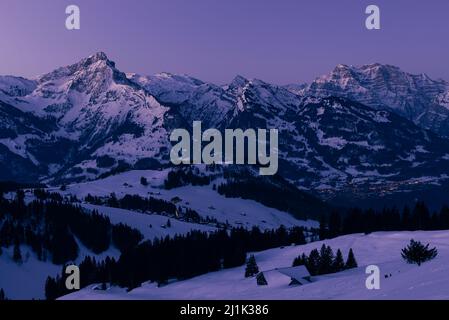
(27, 280)
(429, 281)
(203, 199)
(32, 272)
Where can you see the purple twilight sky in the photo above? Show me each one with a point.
(280, 41)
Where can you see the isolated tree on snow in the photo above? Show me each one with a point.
(418, 253)
(351, 262)
(339, 263)
(168, 223)
(251, 267)
(143, 181)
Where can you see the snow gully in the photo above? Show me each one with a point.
(234, 147)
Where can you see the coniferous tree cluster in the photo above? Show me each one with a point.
(125, 237)
(153, 206)
(42, 194)
(389, 219)
(92, 271)
(180, 257)
(323, 261)
(186, 176)
(418, 253)
(135, 203)
(50, 228)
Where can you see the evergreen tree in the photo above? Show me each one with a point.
(17, 254)
(339, 263)
(313, 262)
(297, 236)
(299, 261)
(261, 281)
(113, 201)
(234, 257)
(444, 218)
(334, 225)
(251, 267)
(351, 262)
(323, 232)
(51, 290)
(20, 198)
(2, 295)
(406, 219)
(420, 217)
(168, 223)
(143, 181)
(418, 253)
(326, 260)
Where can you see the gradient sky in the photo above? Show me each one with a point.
(280, 41)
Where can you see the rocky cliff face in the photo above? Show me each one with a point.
(415, 97)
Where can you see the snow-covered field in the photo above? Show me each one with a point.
(429, 281)
(203, 199)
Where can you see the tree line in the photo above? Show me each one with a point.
(154, 206)
(179, 257)
(50, 228)
(325, 261)
(356, 220)
(275, 193)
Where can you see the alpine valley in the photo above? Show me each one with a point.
(86, 179)
(359, 134)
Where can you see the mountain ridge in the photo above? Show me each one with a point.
(415, 97)
(100, 120)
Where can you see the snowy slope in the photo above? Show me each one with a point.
(203, 199)
(430, 281)
(151, 226)
(27, 280)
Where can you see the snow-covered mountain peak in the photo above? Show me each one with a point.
(383, 86)
(90, 75)
(238, 81)
(91, 110)
(99, 56)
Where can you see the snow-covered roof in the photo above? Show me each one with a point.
(297, 273)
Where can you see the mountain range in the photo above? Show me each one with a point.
(360, 130)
